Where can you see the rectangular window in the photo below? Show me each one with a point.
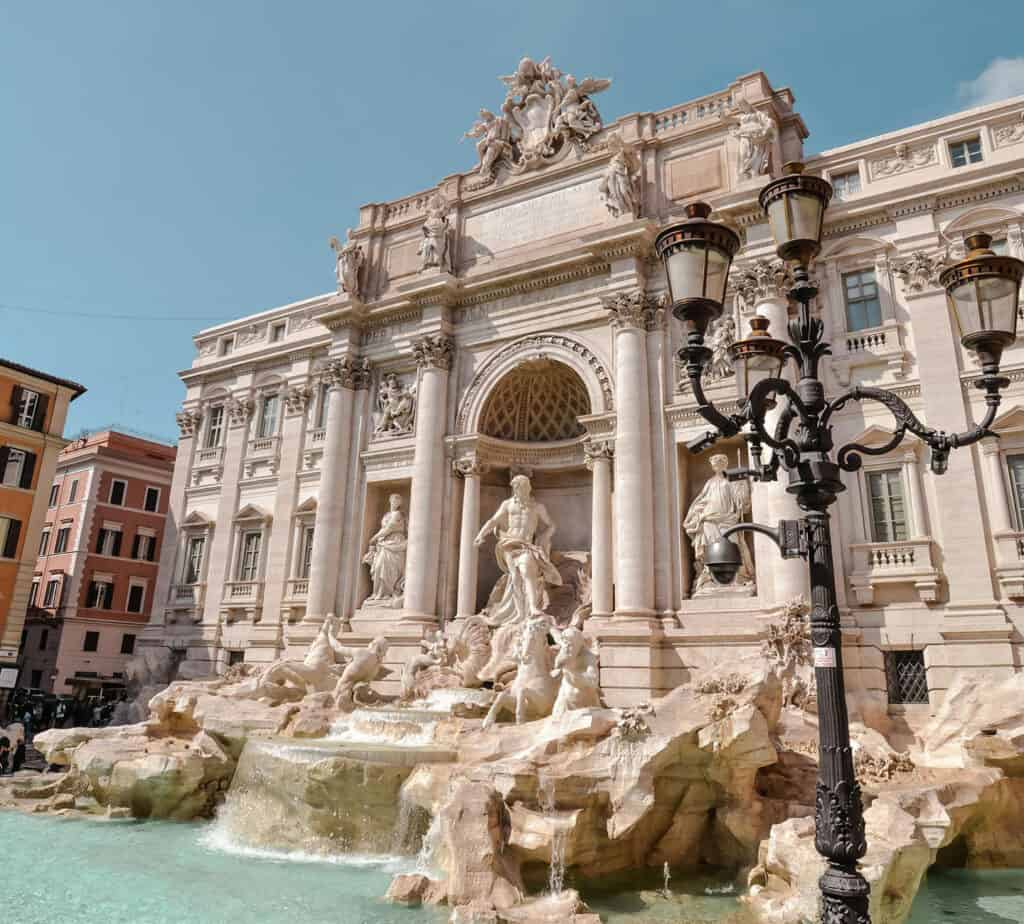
(33, 594)
(44, 637)
(249, 560)
(144, 547)
(235, 657)
(321, 413)
(214, 427)
(28, 410)
(73, 493)
(268, 417)
(10, 530)
(845, 185)
(227, 344)
(863, 309)
(62, 539)
(1015, 464)
(277, 332)
(152, 500)
(52, 594)
(888, 512)
(13, 467)
(906, 677)
(136, 598)
(965, 152)
(118, 489)
(92, 641)
(54, 491)
(44, 542)
(37, 679)
(127, 644)
(306, 561)
(101, 593)
(194, 559)
(108, 542)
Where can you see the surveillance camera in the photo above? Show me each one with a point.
(723, 560)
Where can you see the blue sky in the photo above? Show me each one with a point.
(188, 161)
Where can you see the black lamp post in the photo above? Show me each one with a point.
(982, 293)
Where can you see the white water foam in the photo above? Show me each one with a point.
(345, 733)
(216, 837)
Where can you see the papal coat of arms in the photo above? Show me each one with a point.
(543, 113)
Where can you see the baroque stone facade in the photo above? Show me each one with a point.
(511, 321)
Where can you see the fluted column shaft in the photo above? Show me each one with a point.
(470, 471)
(343, 377)
(634, 497)
(599, 461)
(434, 358)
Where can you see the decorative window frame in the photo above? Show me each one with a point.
(872, 346)
(1007, 534)
(297, 586)
(911, 561)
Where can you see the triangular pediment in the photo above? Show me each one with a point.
(252, 512)
(307, 506)
(984, 218)
(875, 435)
(855, 245)
(196, 518)
(1011, 420)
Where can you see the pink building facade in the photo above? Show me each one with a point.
(98, 554)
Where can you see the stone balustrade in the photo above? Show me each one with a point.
(880, 564)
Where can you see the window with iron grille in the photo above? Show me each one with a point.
(906, 677)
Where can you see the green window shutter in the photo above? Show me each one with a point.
(28, 470)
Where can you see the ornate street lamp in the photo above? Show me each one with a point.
(982, 291)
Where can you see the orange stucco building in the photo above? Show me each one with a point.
(33, 409)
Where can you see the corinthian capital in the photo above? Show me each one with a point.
(188, 422)
(595, 451)
(635, 309)
(348, 372)
(760, 280)
(467, 468)
(435, 351)
(240, 409)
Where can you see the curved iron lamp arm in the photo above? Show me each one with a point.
(941, 442)
(790, 535)
(727, 424)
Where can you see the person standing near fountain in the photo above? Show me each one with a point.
(386, 557)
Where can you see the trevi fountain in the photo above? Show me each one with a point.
(496, 683)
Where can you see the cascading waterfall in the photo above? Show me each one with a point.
(667, 874)
(428, 847)
(556, 869)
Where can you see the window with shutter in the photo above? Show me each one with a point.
(117, 492)
(28, 404)
(51, 597)
(39, 416)
(15, 404)
(13, 465)
(136, 595)
(28, 470)
(10, 530)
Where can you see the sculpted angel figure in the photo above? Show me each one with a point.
(620, 184)
(434, 249)
(349, 261)
(720, 504)
(577, 114)
(495, 144)
(396, 406)
(386, 557)
(364, 666)
(755, 131)
(531, 77)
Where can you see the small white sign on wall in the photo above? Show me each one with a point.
(8, 678)
(824, 657)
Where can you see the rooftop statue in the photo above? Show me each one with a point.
(543, 112)
(349, 260)
(435, 248)
(620, 184)
(755, 131)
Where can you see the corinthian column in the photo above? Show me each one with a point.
(342, 377)
(599, 460)
(470, 471)
(631, 313)
(434, 355)
(763, 286)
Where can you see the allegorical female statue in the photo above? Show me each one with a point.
(386, 557)
(720, 504)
